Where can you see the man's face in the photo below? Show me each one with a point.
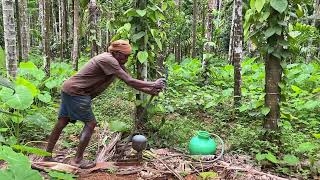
(122, 58)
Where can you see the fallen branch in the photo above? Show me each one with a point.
(227, 166)
(44, 166)
(108, 148)
(169, 168)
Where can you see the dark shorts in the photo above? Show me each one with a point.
(76, 108)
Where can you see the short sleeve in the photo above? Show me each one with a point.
(109, 65)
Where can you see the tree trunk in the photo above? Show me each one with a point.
(63, 30)
(236, 56)
(177, 44)
(272, 99)
(209, 28)
(231, 48)
(93, 27)
(141, 71)
(75, 50)
(316, 10)
(70, 28)
(24, 29)
(208, 36)
(9, 37)
(42, 23)
(47, 37)
(18, 29)
(55, 21)
(203, 13)
(194, 29)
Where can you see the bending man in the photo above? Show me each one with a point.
(79, 90)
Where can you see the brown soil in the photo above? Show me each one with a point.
(106, 176)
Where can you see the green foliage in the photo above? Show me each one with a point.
(279, 5)
(61, 176)
(19, 166)
(118, 126)
(32, 150)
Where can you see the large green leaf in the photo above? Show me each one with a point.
(269, 32)
(38, 120)
(158, 43)
(265, 110)
(28, 65)
(6, 83)
(5, 94)
(306, 147)
(279, 5)
(34, 90)
(141, 12)
(19, 166)
(118, 126)
(291, 160)
(61, 175)
(125, 27)
(45, 97)
(32, 150)
(272, 158)
(259, 4)
(137, 36)
(311, 104)
(294, 34)
(260, 156)
(142, 56)
(252, 4)
(21, 100)
(30, 68)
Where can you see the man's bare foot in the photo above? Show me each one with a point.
(83, 164)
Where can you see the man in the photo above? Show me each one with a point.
(78, 92)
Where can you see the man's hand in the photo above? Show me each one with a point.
(155, 91)
(160, 84)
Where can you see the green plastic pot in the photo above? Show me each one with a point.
(202, 144)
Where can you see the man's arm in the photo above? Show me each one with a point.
(151, 91)
(137, 84)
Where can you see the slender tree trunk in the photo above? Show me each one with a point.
(9, 37)
(209, 27)
(237, 50)
(231, 47)
(208, 36)
(55, 21)
(203, 13)
(177, 44)
(70, 28)
(63, 28)
(141, 71)
(24, 29)
(47, 37)
(194, 29)
(75, 51)
(18, 29)
(272, 98)
(93, 24)
(316, 13)
(42, 23)
(273, 71)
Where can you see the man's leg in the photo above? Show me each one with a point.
(55, 134)
(84, 140)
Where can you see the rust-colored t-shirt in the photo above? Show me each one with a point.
(94, 77)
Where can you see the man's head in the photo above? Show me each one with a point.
(120, 50)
